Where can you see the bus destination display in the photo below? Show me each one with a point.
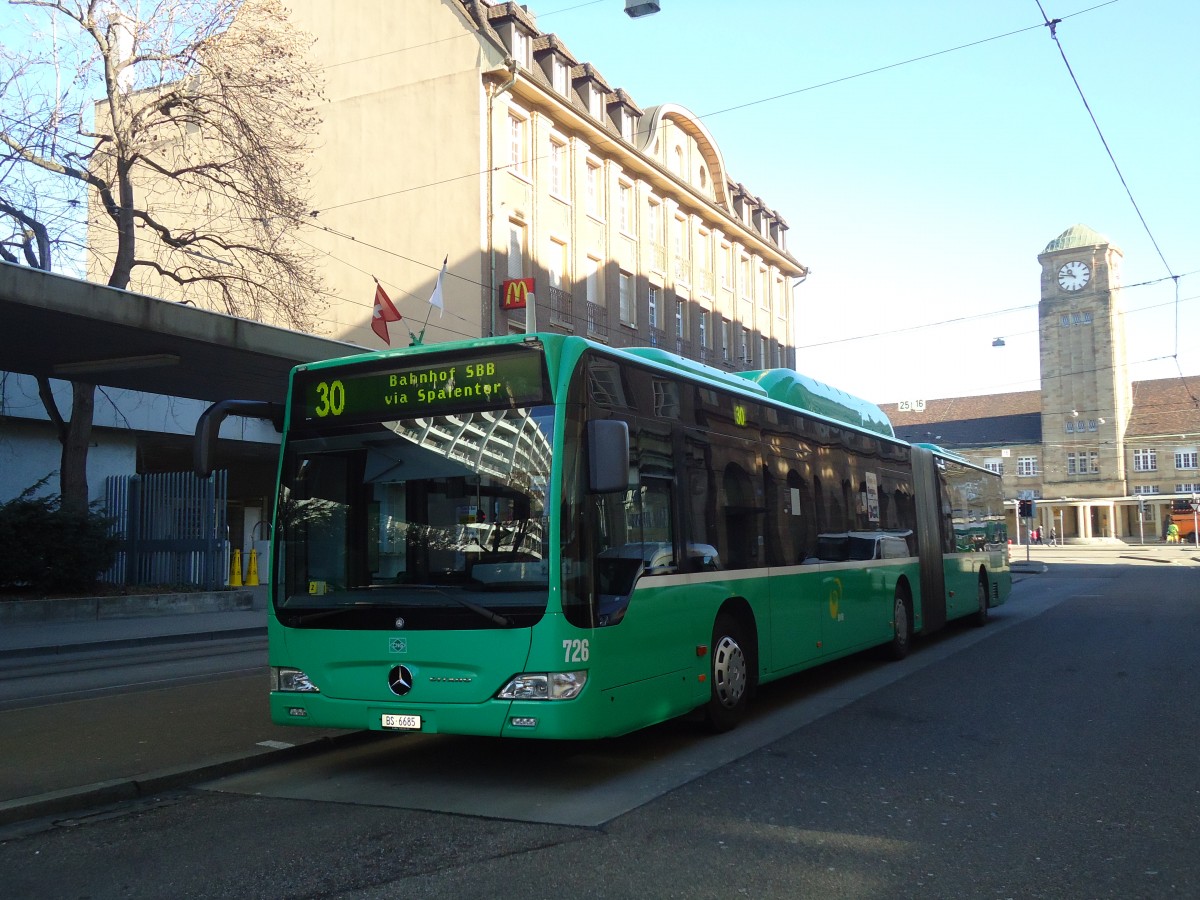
(488, 381)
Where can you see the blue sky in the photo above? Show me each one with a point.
(923, 193)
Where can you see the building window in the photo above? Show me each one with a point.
(556, 263)
(520, 47)
(1027, 465)
(652, 306)
(1069, 426)
(625, 284)
(593, 280)
(1188, 488)
(679, 322)
(1145, 460)
(703, 325)
(595, 201)
(1145, 489)
(1093, 462)
(725, 326)
(1091, 424)
(1071, 465)
(994, 465)
(559, 76)
(625, 207)
(726, 250)
(762, 351)
(1185, 459)
(516, 250)
(558, 168)
(518, 159)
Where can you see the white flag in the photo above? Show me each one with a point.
(435, 299)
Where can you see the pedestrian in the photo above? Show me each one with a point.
(1172, 533)
(1037, 535)
(1053, 537)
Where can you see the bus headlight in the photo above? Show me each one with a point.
(283, 679)
(544, 686)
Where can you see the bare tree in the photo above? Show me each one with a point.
(184, 134)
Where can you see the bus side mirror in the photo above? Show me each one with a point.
(608, 456)
(208, 427)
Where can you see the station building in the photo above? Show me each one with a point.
(1102, 457)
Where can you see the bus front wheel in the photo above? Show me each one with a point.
(729, 674)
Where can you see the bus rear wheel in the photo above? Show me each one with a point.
(901, 631)
(729, 675)
(981, 615)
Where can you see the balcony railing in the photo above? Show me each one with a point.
(597, 321)
(658, 257)
(560, 302)
(683, 269)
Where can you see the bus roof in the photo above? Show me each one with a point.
(784, 386)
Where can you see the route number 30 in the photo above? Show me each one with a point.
(331, 399)
(576, 650)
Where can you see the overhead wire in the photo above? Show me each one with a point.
(1052, 26)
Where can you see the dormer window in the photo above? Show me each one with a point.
(593, 92)
(520, 47)
(559, 76)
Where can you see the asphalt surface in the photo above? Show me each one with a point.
(151, 738)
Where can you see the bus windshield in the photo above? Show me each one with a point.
(439, 521)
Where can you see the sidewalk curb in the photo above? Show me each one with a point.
(120, 790)
(125, 643)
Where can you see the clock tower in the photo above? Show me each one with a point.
(1086, 392)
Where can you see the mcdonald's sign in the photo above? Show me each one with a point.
(515, 292)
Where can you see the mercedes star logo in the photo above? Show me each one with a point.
(400, 680)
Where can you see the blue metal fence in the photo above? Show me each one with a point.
(172, 528)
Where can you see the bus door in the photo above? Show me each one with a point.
(640, 604)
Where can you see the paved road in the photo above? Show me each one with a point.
(1051, 758)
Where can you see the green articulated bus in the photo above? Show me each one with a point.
(539, 536)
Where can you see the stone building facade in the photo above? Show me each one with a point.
(459, 130)
(1102, 456)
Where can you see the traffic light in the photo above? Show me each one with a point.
(1025, 509)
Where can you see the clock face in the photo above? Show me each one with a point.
(1073, 276)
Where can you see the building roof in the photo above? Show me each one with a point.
(956, 409)
(486, 14)
(1165, 406)
(1023, 428)
(1076, 236)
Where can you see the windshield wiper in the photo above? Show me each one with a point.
(326, 614)
(488, 614)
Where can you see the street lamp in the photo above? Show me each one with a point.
(635, 9)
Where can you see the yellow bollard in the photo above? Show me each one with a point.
(252, 569)
(235, 569)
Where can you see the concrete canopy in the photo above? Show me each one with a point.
(75, 330)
